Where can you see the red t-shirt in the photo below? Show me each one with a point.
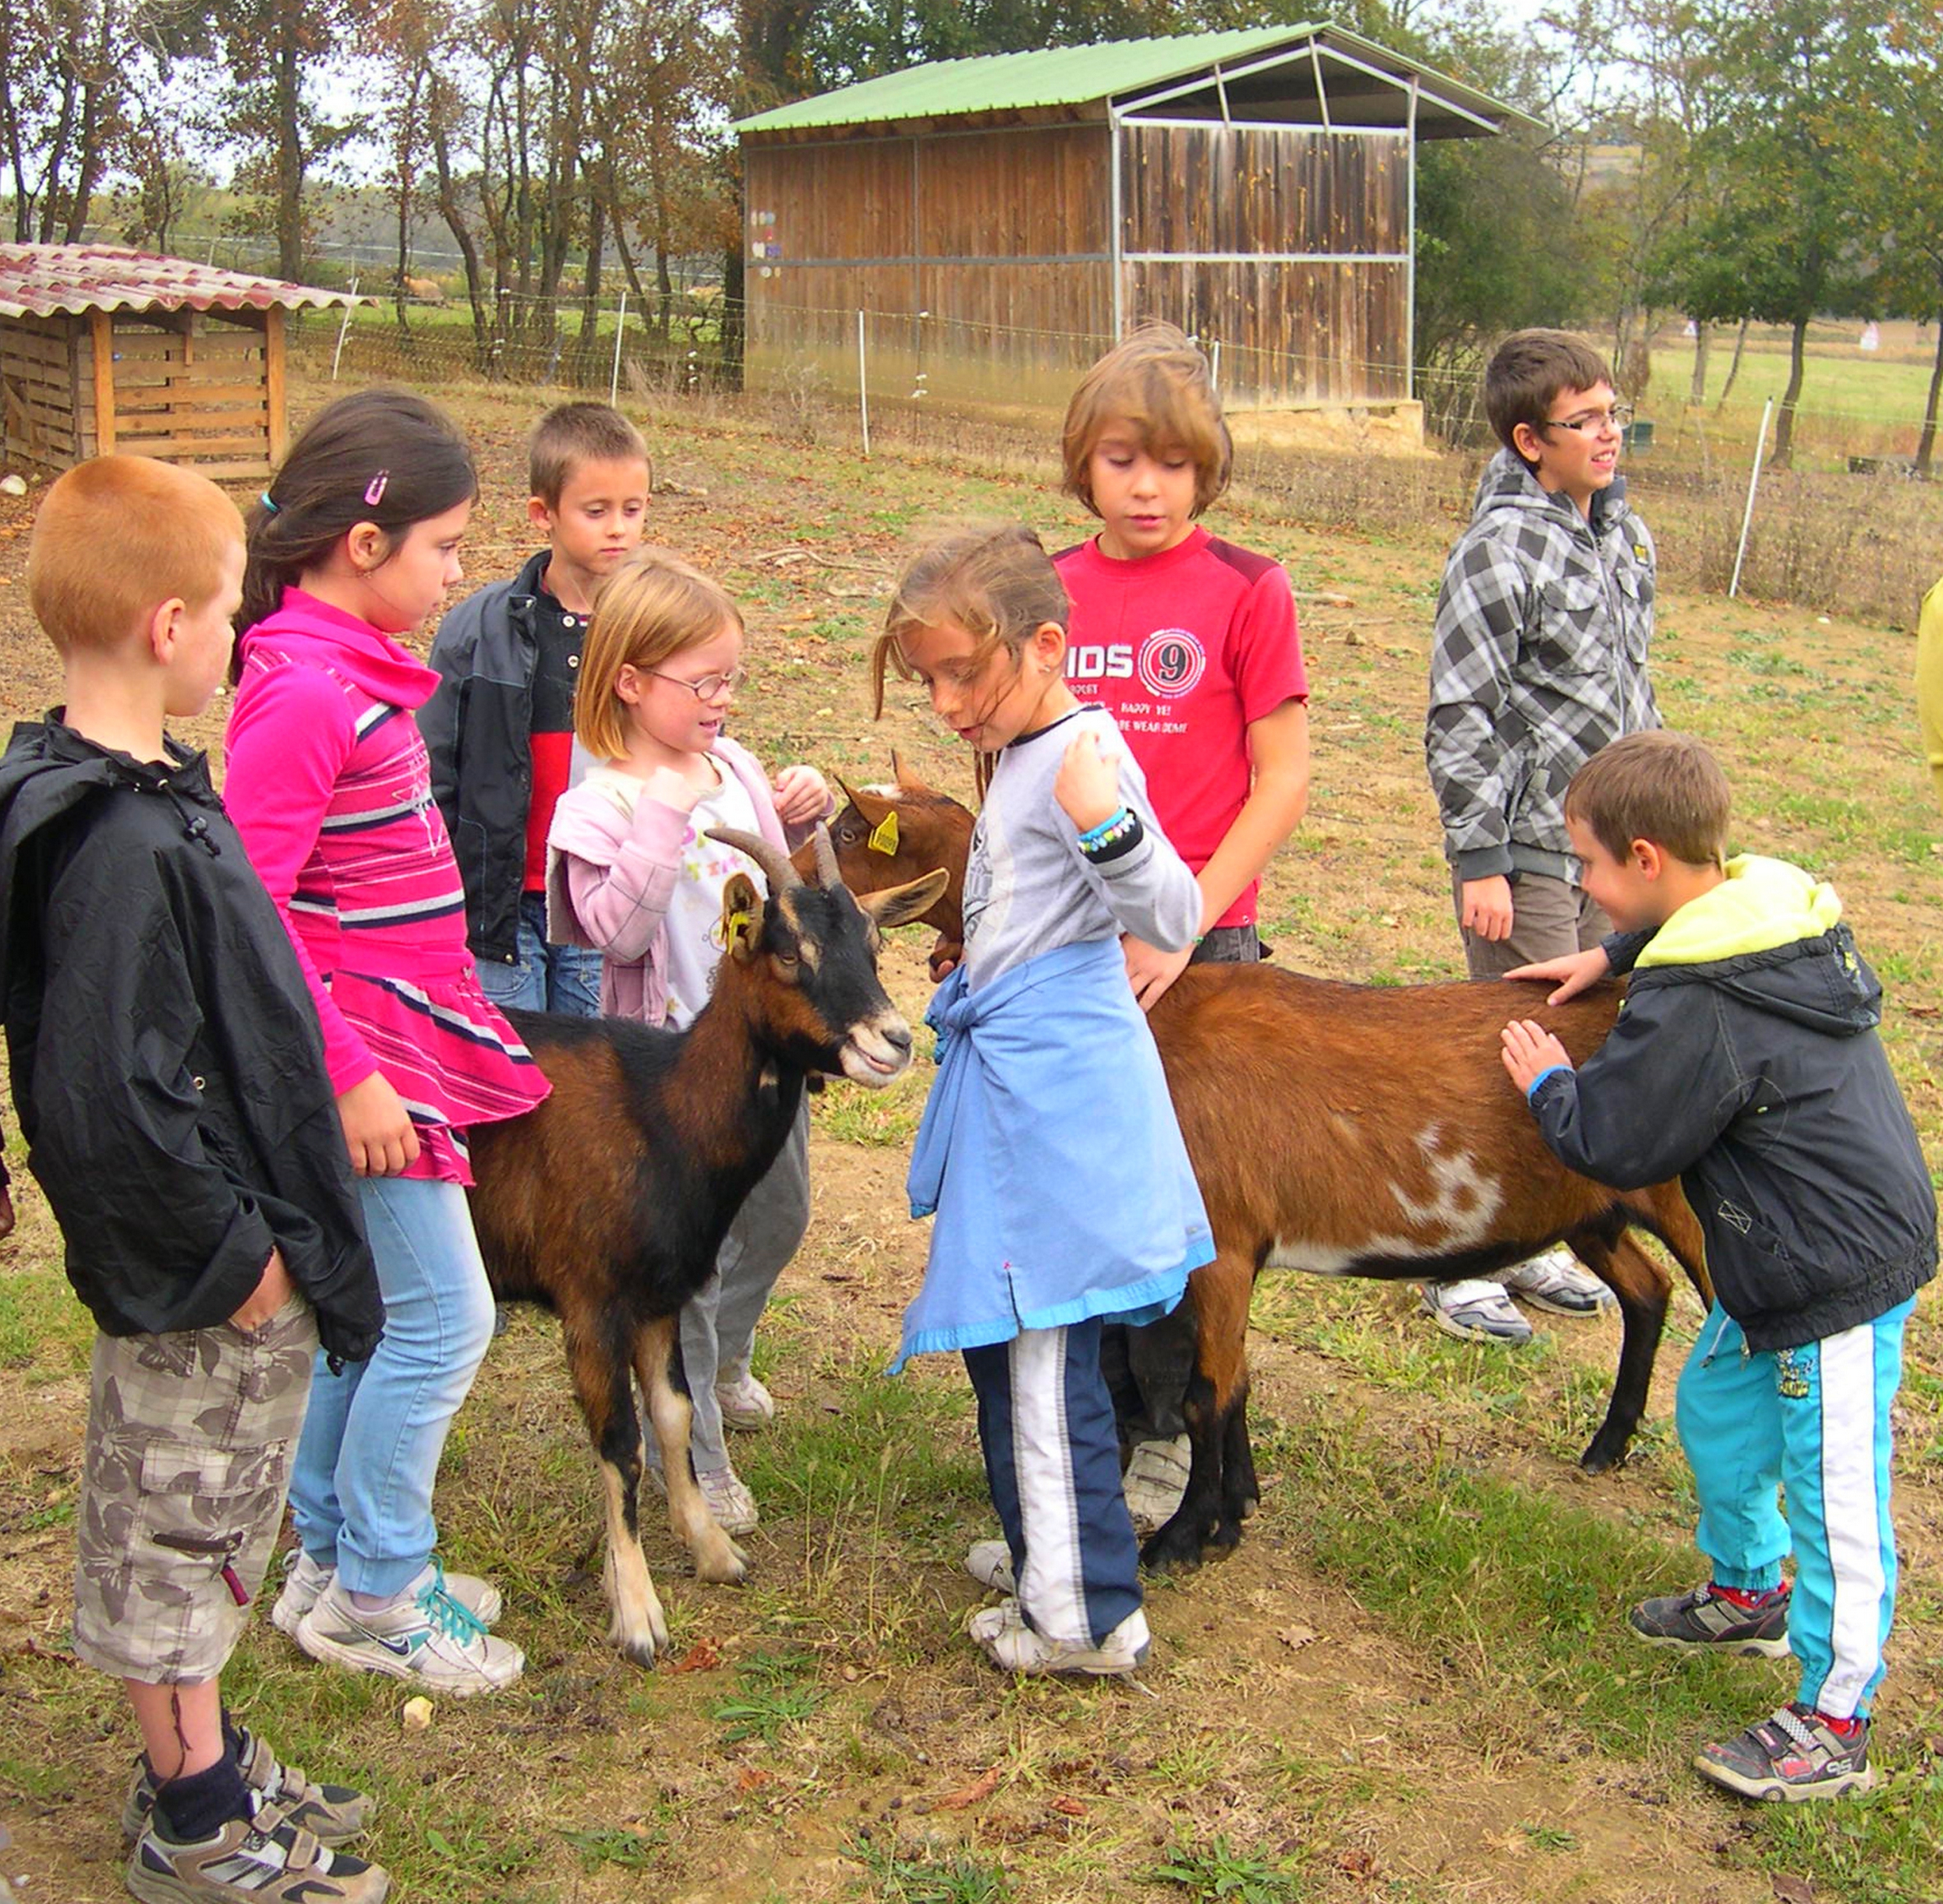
(559, 637)
(1186, 647)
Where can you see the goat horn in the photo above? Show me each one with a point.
(828, 873)
(774, 862)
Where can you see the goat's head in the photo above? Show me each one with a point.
(886, 835)
(809, 952)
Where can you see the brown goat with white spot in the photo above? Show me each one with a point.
(608, 1202)
(1343, 1130)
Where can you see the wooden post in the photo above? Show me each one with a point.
(273, 384)
(101, 337)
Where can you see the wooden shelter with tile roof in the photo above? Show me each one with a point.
(983, 228)
(103, 348)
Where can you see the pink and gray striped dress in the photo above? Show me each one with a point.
(328, 783)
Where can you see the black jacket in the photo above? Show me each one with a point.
(166, 1060)
(1759, 1081)
(478, 729)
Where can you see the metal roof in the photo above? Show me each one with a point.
(48, 280)
(1117, 71)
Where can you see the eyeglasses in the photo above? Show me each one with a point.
(1597, 421)
(710, 687)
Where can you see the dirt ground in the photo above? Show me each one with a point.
(1280, 1713)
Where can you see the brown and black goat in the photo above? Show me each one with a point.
(1343, 1130)
(607, 1201)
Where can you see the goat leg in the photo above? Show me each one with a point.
(1644, 1289)
(657, 1361)
(605, 1385)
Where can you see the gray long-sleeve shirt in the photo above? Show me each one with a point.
(1029, 889)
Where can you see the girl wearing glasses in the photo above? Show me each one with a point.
(630, 872)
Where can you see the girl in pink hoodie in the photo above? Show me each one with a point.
(629, 871)
(355, 543)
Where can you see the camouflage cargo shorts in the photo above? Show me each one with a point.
(187, 1460)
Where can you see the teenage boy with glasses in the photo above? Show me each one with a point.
(1538, 660)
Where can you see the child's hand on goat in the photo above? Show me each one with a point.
(1529, 1048)
(802, 795)
(1578, 972)
(1087, 786)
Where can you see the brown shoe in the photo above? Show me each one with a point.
(263, 1859)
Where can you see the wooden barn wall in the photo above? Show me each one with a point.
(37, 388)
(1003, 237)
(1329, 323)
(189, 389)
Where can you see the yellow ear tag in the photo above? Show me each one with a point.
(737, 927)
(883, 836)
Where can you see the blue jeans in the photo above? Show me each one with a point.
(361, 1486)
(544, 978)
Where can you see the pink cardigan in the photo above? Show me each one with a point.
(608, 883)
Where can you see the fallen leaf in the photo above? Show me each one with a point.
(753, 1778)
(976, 1793)
(1069, 1808)
(1793, 1890)
(704, 1656)
(1297, 1635)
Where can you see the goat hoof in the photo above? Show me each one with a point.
(1599, 1457)
(726, 1566)
(1172, 1550)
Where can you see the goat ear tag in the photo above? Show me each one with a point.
(738, 929)
(884, 835)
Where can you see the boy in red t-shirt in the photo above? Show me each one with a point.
(1191, 641)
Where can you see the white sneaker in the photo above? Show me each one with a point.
(732, 1504)
(1155, 1480)
(304, 1579)
(990, 1563)
(745, 1403)
(1012, 1646)
(1475, 1311)
(1553, 1280)
(423, 1635)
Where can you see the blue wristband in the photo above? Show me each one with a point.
(1549, 1071)
(1093, 834)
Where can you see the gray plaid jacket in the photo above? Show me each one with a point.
(1539, 659)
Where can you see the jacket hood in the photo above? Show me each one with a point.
(1770, 935)
(1508, 483)
(48, 769)
(309, 630)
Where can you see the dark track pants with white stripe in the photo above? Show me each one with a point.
(1814, 1420)
(1052, 1463)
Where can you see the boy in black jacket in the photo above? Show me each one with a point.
(1746, 1058)
(168, 1077)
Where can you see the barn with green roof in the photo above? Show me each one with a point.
(999, 221)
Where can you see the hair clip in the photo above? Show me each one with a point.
(267, 502)
(375, 490)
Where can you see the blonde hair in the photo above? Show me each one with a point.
(117, 536)
(1656, 785)
(653, 607)
(1158, 380)
(994, 580)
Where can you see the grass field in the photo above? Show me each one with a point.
(1411, 1684)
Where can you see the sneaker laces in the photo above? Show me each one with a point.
(448, 1614)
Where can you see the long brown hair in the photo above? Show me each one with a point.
(383, 455)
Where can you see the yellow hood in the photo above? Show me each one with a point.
(1761, 905)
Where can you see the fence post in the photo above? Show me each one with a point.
(337, 354)
(863, 388)
(1214, 364)
(1754, 477)
(620, 330)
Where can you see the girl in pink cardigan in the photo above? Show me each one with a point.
(629, 871)
(356, 542)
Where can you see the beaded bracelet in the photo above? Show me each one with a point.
(1106, 825)
(1117, 836)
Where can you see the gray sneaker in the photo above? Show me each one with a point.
(1554, 1281)
(1475, 1311)
(333, 1814)
(1004, 1639)
(990, 1563)
(1703, 1619)
(263, 1859)
(424, 1635)
(1792, 1756)
(1155, 1480)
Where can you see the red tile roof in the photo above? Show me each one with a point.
(46, 280)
